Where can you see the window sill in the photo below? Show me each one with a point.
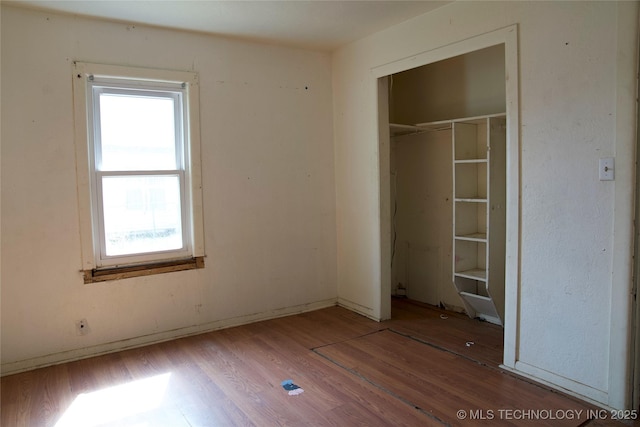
(117, 273)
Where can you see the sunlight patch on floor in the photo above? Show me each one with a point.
(115, 403)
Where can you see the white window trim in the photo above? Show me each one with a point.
(193, 179)
(176, 91)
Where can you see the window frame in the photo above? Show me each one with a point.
(86, 78)
(96, 87)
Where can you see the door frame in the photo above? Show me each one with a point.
(635, 310)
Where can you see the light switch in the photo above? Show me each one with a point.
(606, 169)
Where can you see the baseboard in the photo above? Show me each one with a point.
(562, 384)
(360, 309)
(141, 341)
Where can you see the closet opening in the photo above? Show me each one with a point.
(449, 181)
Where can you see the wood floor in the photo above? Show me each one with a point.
(425, 367)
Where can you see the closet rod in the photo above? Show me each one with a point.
(416, 130)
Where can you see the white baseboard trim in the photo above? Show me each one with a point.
(562, 384)
(141, 341)
(360, 309)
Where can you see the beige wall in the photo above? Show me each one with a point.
(577, 63)
(268, 178)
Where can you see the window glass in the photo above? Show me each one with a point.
(136, 132)
(141, 214)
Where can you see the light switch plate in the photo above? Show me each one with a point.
(606, 169)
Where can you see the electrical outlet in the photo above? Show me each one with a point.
(606, 169)
(82, 327)
(401, 291)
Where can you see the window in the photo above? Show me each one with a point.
(137, 142)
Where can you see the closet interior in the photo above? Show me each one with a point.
(447, 163)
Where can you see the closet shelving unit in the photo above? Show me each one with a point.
(479, 215)
(479, 173)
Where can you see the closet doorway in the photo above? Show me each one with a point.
(449, 179)
(428, 106)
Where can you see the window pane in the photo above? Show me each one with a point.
(137, 133)
(141, 214)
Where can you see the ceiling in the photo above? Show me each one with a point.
(322, 25)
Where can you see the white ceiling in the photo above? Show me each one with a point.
(323, 25)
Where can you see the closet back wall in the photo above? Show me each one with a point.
(422, 195)
(268, 178)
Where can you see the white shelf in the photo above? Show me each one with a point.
(471, 200)
(473, 119)
(439, 125)
(475, 274)
(483, 306)
(462, 161)
(473, 237)
(475, 297)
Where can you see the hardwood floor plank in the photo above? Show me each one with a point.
(383, 409)
(412, 370)
(194, 393)
(16, 397)
(449, 330)
(441, 382)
